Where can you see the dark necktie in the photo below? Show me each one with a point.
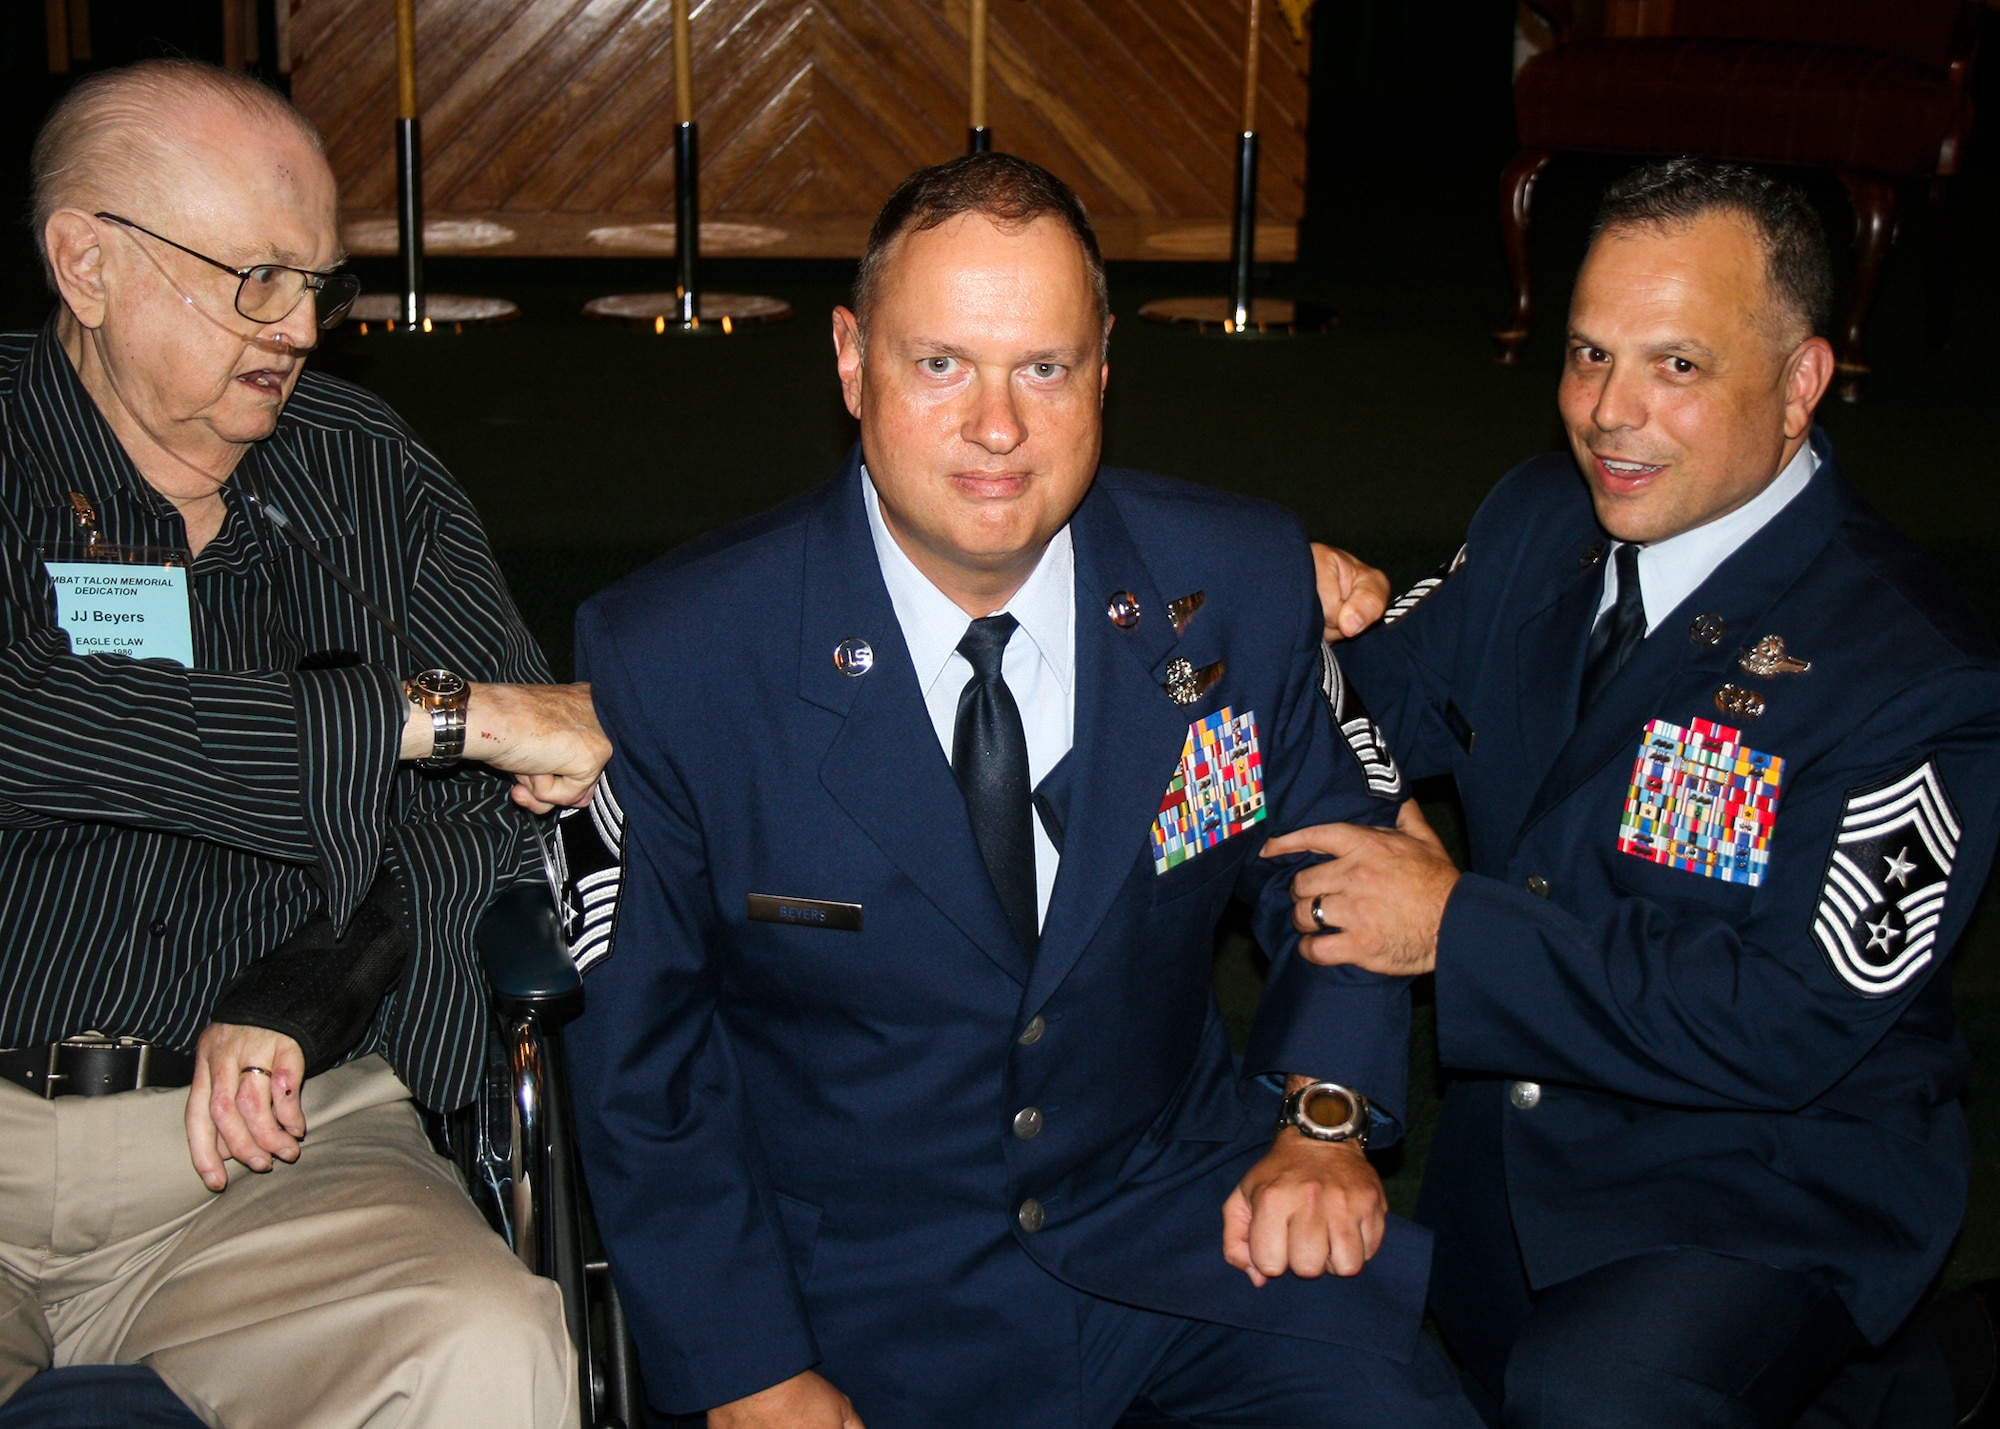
(989, 758)
(1618, 633)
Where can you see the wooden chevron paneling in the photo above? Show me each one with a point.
(544, 120)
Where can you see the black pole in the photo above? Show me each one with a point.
(410, 221)
(979, 139)
(1243, 248)
(687, 222)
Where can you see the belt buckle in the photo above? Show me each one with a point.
(96, 1047)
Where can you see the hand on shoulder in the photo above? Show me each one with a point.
(1352, 594)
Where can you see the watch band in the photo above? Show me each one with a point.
(1296, 1112)
(447, 736)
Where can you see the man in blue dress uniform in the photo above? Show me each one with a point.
(1728, 749)
(903, 1091)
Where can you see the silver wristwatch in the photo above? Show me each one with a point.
(1304, 1109)
(443, 696)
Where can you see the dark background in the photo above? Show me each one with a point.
(590, 448)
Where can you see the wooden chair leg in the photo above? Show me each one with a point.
(1939, 265)
(1874, 202)
(1517, 193)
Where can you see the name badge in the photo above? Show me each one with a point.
(114, 608)
(805, 912)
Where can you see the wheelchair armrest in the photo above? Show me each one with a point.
(526, 960)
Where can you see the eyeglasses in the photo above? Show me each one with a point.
(269, 292)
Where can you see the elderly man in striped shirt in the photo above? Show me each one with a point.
(261, 692)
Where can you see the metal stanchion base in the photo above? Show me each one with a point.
(715, 312)
(443, 312)
(1271, 317)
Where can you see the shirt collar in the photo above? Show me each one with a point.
(1045, 605)
(1672, 570)
(65, 432)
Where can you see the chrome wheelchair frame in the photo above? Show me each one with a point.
(520, 1163)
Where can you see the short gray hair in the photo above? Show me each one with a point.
(99, 135)
(1673, 193)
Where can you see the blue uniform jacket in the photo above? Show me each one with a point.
(799, 1139)
(1764, 1067)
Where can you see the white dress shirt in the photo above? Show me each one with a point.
(1672, 570)
(1039, 666)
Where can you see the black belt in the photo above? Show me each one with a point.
(95, 1066)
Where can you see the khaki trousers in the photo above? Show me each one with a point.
(357, 1286)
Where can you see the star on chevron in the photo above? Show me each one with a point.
(1899, 868)
(1880, 935)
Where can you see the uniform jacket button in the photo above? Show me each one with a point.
(1538, 885)
(1525, 1095)
(1031, 1215)
(1028, 1122)
(1032, 1033)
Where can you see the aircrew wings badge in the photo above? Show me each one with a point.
(1703, 802)
(1358, 728)
(1883, 894)
(1217, 789)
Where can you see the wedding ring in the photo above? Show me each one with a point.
(266, 1071)
(1319, 918)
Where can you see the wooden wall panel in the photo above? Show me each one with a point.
(544, 120)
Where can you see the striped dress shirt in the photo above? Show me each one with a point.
(162, 827)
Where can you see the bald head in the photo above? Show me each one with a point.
(143, 137)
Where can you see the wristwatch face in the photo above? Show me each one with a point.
(1326, 1111)
(440, 685)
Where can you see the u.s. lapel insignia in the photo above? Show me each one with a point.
(854, 657)
(1767, 657)
(1123, 608)
(1181, 611)
(1217, 789)
(1703, 802)
(1186, 684)
(1883, 894)
(1358, 728)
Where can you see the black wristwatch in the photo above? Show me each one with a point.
(1299, 1110)
(443, 696)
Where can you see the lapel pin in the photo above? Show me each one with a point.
(1187, 684)
(1768, 657)
(1123, 608)
(1734, 700)
(1706, 629)
(854, 657)
(1592, 556)
(1181, 611)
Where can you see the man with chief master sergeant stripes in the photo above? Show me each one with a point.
(1729, 752)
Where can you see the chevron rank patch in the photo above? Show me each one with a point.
(587, 866)
(1886, 879)
(1417, 594)
(1703, 802)
(1363, 735)
(1217, 789)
